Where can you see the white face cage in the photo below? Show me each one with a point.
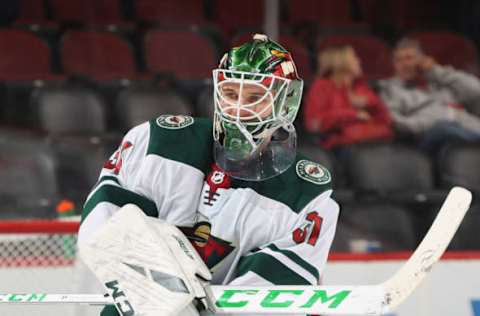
(251, 116)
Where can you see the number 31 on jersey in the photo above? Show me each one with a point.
(310, 231)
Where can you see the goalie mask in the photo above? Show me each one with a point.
(257, 95)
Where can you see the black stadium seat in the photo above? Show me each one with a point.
(392, 172)
(465, 238)
(204, 105)
(138, 104)
(63, 109)
(28, 186)
(79, 161)
(460, 165)
(364, 227)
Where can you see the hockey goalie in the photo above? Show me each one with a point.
(254, 210)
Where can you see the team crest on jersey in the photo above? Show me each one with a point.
(169, 121)
(210, 248)
(313, 172)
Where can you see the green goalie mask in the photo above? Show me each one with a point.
(257, 95)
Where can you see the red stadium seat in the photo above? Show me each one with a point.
(232, 16)
(375, 55)
(32, 12)
(449, 49)
(23, 56)
(186, 54)
(90, 12)
(401, 14)
(320, 11)
(300, 55)
(102, 56)
(171, 13)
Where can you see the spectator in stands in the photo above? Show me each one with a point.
(427, 100)
(340, 106)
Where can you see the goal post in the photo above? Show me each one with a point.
(39, 256)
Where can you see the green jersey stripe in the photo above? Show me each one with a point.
(297, 259)
(118, 196)
(270, 269)
(107, 178)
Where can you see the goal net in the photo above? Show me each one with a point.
(40, 257)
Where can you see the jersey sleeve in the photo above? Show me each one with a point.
(299, 257)
(113, 189)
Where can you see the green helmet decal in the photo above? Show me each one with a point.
(260, 56)
(257, 91)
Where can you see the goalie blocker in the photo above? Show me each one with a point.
(147, 266)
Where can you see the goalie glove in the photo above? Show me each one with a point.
(147, 265)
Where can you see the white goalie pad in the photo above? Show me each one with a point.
(147, 265)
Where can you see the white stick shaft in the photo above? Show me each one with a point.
(41, 298)
(449, 218)
(353, 300)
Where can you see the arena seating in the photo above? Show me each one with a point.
(29, 185)
(69, 110)
(459, 164)
(88, 82)
(374, 227)
(101, 56)
(463, 238)
(166, 13)
(384, 170)
(32, 12)
(323, 11)
(78, 163)
(232, 16)
(455, 49)
(138, 104)
(375, 55)
(87, 12)
(17, 63)
(187, 54)
(204, 106)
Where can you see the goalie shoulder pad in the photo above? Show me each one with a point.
(182, 138)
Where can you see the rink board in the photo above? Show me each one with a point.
(452, 288)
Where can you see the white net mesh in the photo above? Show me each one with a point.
(37, 243)
(40, 257)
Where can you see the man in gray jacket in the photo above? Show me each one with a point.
(427, 100)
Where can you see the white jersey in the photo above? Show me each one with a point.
(276, 231)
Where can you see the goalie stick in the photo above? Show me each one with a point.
(334, 300)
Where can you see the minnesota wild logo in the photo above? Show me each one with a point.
(313, 172)
(169, 121)
(210, 248)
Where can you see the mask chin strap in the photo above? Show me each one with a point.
(265, 135)
(247, 135)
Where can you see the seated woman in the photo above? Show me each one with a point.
(340, 106)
